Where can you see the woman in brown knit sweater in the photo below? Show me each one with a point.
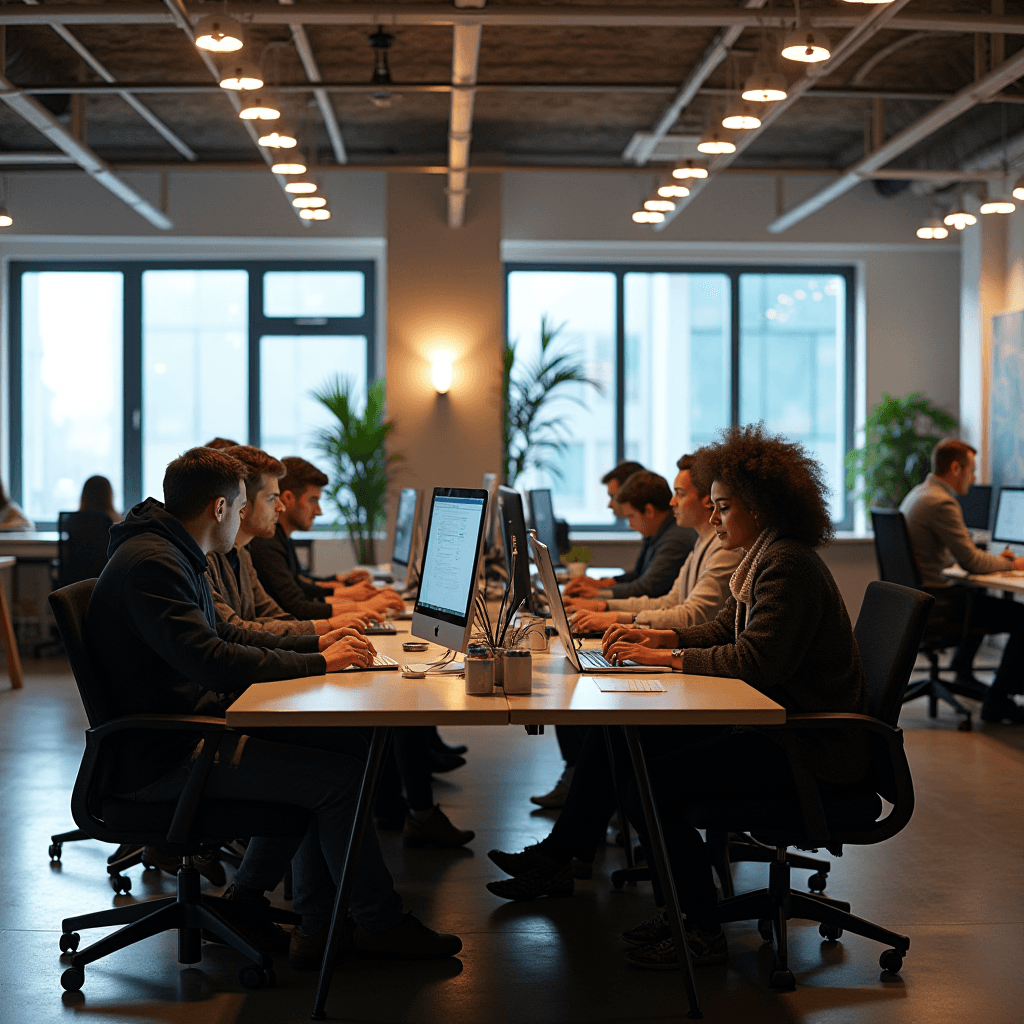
(785, 631)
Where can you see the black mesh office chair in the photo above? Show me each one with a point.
(889, 629)
(947, 625)
(191, 826)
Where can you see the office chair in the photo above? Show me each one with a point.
(945, 628)
(186, 828)
(889, 630)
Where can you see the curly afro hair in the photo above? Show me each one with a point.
(775, 478)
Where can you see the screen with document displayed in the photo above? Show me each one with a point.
(1009, 527)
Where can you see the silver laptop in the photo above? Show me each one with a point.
(582, 661)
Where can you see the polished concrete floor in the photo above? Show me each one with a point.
(953, 881)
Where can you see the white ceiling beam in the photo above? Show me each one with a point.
(35, 158)
(465, 64)
(868, 26)
(967, 98)
(545, 17)
(98, 169)
(323, 100)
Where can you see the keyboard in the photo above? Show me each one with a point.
(623, 685)
(379, 661)
(380, 629)
(593, 659)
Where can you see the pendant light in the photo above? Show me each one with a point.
(289, 167)
(308, 202)
(6, 220)
(218, 34)
(256, 108)
(959, 218)
(278, 138)
(670, 190)
(299, 188)
(715, 143)
(659, 205)
(804, 44)
(741, 117)
(764, 87)
(241, 76)
(648, 217)
(933, 230)
(315, 214)
(687, 170)
(1018, 190)
(998, 204)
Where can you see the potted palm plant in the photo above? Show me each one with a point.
(359, 463)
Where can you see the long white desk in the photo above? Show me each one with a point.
(383, 699)
(36, 544)
(1008, 582)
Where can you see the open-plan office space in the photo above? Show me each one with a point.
(714, 214)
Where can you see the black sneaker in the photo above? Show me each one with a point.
(654, 929)
(266, 936)
(436, 830)
(410, 939)
(706, 949)
(540, 881)
(996, 710)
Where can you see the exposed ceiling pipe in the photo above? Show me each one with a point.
(713, 56)
(97, 169)
(872, 23)
(323, 101)
(968, 97)
(465, 63)
(36, 158)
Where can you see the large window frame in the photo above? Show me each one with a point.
(132, 408)
(733, 271)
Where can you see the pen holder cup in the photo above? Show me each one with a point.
(480, 675)
(518, 672)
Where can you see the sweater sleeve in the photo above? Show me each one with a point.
(644, 603)
(662, 567)
(270, 616)
(948, 524)
(703, 603)
(271, 565)
(163, 611)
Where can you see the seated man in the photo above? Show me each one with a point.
(614, 479)
(238, 595)
(645, 500)
(938, 535)
(152, 629)
(701, 587)
(277, 565)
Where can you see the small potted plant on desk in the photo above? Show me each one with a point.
(577, 559)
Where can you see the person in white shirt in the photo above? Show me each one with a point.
(701, 588)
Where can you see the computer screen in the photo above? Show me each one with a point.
(490, 485)
(451, 555)
(1009, 526)
(543, 516)
(976, 505)
(405, 524)
(513, 525)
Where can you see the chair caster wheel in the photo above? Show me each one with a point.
(253, 977)
(891, 961)
(964, 726)
(72, 979)
(55, 851)
(764, 929)
(69, 942)
(120, 884)
(817, 882)
(782, 980)
(830, 932)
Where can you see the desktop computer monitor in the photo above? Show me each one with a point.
(1009, 525)
(977, 506)
(444, 611)
(491, 532)
(543, 516)
(513, 526)
(405, 528)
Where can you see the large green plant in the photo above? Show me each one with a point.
(901, 433)
(530, 435)
(359, 462)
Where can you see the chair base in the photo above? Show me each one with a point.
(188, 913)
(773, 907)
(937, 689)
(125, 856)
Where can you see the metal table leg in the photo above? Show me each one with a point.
(627, 839)
(360, 821)
(660, 854)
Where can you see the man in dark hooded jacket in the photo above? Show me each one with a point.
(153, 631)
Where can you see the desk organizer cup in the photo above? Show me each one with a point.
(518, 672)
(480, 664)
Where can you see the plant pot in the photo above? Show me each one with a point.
(577, 568)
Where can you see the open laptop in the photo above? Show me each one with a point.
(582, 661)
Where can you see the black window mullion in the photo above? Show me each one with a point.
(132, 385)
(620, 366)
(14, 397)
(256, 331)
(734, 319)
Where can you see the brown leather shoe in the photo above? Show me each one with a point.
(410, 939)
(437, 830)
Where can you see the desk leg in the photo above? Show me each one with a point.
(360, 821)
(10, 643)
(660, 854)
(627, 839)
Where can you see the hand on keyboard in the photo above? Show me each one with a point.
(349, 651)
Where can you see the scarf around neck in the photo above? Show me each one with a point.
(742, 580)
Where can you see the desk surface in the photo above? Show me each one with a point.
(33, 544)
(560, 696)
(6, 561)
(991, 580)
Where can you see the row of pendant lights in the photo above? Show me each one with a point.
(959, 218)
(671, 189)
(218, 33)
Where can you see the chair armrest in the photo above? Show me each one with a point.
(144, 723)
(837, 720)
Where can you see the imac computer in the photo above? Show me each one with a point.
(977, 506)
(1009, 525)
(444, 611)
(542, 514)
(492, 535)
(513, 526)
(406, 536)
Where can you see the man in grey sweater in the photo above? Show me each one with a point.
(939, 537)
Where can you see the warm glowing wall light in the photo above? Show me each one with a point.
(441, 372)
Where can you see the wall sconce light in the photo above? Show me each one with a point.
(441, 373)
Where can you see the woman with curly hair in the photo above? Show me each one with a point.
(785, 631)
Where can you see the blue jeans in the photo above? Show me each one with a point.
(325, 782)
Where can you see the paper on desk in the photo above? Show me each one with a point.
(453, 668)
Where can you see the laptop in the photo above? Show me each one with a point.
(582, 661)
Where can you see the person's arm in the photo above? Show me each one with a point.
(947, 521)
(644, 603)
(271, 565)
(703, 603)
(269, 614)
(666, 559)
(305, 643)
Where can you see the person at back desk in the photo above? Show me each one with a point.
(152, 630)
(938, 536)
(277, 565)
(645, 500)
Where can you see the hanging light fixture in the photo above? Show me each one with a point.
(741, 117)
(764, 87)
(308, 202)
(959, 218)
(315, 214)
(6, 220)
(712, 141)
(241, 75)
(670, 190)
(279, 138)
(299, 188)
(218, 34)
(659, 205)
(648, 217)
(256, 108)
(1018, 190)
(289, 167)
(687, 170)
(933, 230)
(998, 204)
(804, 44)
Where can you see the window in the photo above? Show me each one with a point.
(685, 351)
(124, 366)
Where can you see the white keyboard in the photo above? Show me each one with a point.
(593, 659)
(619, 684)
(379, 661)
